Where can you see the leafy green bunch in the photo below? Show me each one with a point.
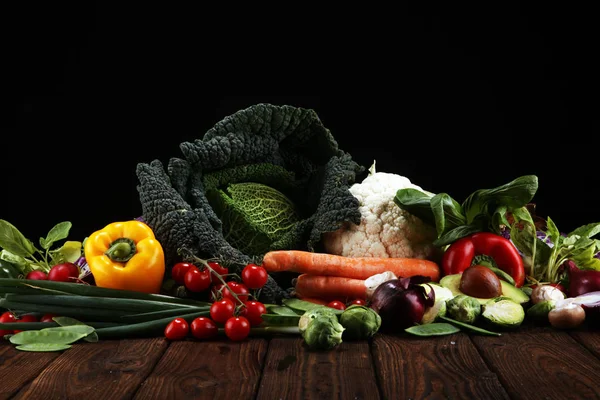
(22, 252)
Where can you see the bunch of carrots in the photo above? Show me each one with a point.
(325, 277)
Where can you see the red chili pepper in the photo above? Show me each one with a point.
(461, 253)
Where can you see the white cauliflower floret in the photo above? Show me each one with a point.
(385, 229)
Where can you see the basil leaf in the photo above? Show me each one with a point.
(457, 233)
(13, 241)
(514, 194)
(589, 230)
(447, 212)
(58, 232)
(417, 203)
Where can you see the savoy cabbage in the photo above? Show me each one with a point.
(283, 147)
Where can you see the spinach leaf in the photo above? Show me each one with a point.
(58, 232)
(417, 203)
(457, 233)
(13, 241)
(514, 194)
(447, 212)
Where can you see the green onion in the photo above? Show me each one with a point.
(149, 328)
(91, 290)
(74, 311)
(134, 306)
(172, 313)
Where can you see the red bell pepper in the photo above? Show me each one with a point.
(460, 254)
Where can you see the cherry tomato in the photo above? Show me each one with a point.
(237, 328)
(218, 268)
(359, 302)
(253, 312)
(6, 318)
(222, 310)
(26, 318)
(179, 270)
(177, 329)
(336, 304)
(240, 289)
(204, 328)
(48, 317)
(63, 272)
(197, 280)
(254, 276)
(37, 275)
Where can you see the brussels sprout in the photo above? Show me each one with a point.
(539, 311)
(314, 313)
(442, 294)
(361, 322)
(503, 312)
(323, 332)
(464, 308)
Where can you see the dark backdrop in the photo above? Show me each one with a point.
(454, 100)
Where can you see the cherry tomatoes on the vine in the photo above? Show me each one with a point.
(253, 311)
(254, 276)
(240, 289)
(222, 310)
(237, 328)
(197, 280)
(179, 270)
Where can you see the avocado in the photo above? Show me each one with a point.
(452, 282)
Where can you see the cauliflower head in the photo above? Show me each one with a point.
(385, 230)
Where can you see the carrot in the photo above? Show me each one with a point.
(330, 287)
(307, 262)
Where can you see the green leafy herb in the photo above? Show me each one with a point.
(20, 251)
(482, 210)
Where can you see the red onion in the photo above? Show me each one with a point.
(402, 302)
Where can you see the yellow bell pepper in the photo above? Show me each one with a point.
(127, 256)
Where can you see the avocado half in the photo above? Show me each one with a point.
(452, 282)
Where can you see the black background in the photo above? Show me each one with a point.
(454, 99)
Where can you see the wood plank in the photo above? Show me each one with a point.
(590, 339)
(110, 369)
(17, 368)
(411, 367)
(541, 363)
(207, 370)
(292, 371)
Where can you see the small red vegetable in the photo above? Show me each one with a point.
(222, 310)
(204, 328)
(459, 256)
(240, 289)
(237, 328)
(6, 318)
(37, 275)
(65, 272)
(179, 270)
(196, 280)
(336, 304)
(253, 311)
(177, 329)
(254, 276)
(26, 318)
(581, 281)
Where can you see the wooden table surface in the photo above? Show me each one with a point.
(530, 363)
